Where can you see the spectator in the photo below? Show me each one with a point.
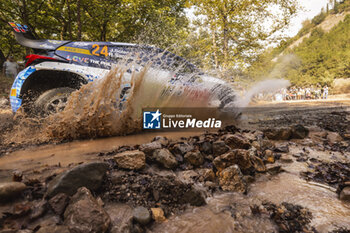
(325, 92)
(10, 68)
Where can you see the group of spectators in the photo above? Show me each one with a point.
(300, 93)
(296, 93)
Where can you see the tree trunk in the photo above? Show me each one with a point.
(103, 34)
(213, 31)
(2, 59)
(69, 20)
(225, 45)
(78, 20)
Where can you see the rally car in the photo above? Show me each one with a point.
(59, 67)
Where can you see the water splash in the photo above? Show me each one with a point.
(272, 86)
(96, 110)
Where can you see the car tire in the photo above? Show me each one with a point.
(52, 101)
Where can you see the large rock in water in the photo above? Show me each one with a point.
(85, 215)
(194, 157)
(10, 190)
(283, 133)
(165, 158)
(121, 217)
(133, 160)
(53, 229)
(231, 179)
(149, 148)
(88, 175)
(142, 215)
(299, 132)
(238, 156)
(219, 148)
(237, 141)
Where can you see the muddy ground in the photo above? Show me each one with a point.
(284, 168)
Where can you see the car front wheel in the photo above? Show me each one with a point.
(53, 101)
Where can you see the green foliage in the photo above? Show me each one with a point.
(158, 22)
(319, 18)
(323, 57)
(236, 28)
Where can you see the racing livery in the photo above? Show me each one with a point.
(57, 68)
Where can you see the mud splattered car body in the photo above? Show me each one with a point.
(65, 66)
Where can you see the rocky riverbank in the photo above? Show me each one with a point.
(137, 188)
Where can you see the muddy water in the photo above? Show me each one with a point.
(220, 215)
(326, 208)
(73, 152)
(228, 212)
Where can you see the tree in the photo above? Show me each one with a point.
(157, 22)
(240, 27)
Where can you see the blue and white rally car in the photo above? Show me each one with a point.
(57, 68)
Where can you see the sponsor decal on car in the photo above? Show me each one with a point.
(74, 50)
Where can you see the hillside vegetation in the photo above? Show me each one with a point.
(321, 57)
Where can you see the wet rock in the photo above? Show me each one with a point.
(11, 190)
(345, 194)
(333, 138)
(149, 148)
(206, 174)
(121, 216)
(265, 144)
(288, 217)
(150, 189)
(132, 160)
(283, 133)
(194, 157)
(194, 196)
(141, 215)
(286, 158)
(180, 149)
(346, 136)
(4, 103)
(188, 176)
(249, 179)
(333, 174)
(219, 148)
(269, 156)
(162, 140)
(158, 214)
(165, 158)
(84, 214)
(210, 185)
(283, 148)
(274, 170)
(21, 209)
(258, 164)
(89, 175)
(206, 147)
(224, 160)
(58, 203)
(237, 141)
(17, 176)
(238, 156)
(299, 132)
(231, 179)
(38, 209)
(54, 229)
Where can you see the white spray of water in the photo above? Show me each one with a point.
(272, 86)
